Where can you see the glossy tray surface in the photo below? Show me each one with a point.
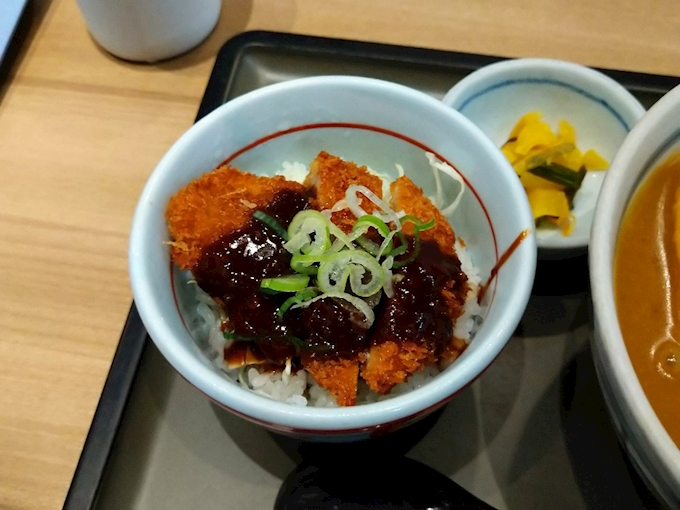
(532, 432)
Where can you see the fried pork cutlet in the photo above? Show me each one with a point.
(328, 179)
(416, 324)
(335, 336)
(408, 197)
(338, 376)
(209, 222)
(391, 362)
(215, 204)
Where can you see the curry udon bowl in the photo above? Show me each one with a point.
(373, 123)
(632, 376)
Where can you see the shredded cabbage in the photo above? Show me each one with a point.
(448, 170)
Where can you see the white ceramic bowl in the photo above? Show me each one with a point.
(370, 122)
(649, 446)
(601, 110)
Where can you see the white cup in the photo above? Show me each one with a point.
(149, 30)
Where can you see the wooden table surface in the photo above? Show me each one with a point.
(80, 131)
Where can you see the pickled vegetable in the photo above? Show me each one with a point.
(551, 168)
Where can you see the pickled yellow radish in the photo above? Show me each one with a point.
(550, 166)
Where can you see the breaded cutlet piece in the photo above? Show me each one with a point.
(390, 363)
(215, 204)
(454, 293)
(328, 179)
(339, 377)
(408, 197)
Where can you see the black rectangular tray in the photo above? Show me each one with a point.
(540, 395)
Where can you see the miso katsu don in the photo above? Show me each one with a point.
(330, 291)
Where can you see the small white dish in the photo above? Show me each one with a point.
(601, 110)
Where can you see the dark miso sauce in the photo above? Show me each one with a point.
(502, 260)
(238, 261)
(231, 269)
(332, 329)
(419, 310)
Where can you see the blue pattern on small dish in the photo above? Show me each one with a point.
(545, 81)
(600, 109)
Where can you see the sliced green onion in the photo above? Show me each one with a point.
(559, 174)
(368, 245)
(571, 193)
(388, 283)
(272, 223)
(419, 224)
(243, 338)
(427, 226)
(293, 283)
(297, 242)
(305, 263)
(363, 225)
(340, 235)
(301, 296)
(337, 246)
(401, 249)
(387, 246)
(414, 253)
(418, 227)
(311, 226)
(369, 221)
(358, 303)
(353, 265)
(239, 338)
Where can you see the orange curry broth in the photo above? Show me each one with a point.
(647, 289)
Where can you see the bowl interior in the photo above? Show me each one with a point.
(601, 111)
(380, 138)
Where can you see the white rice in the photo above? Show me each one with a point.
(293, 171)
(472, 311)
(300, 388)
